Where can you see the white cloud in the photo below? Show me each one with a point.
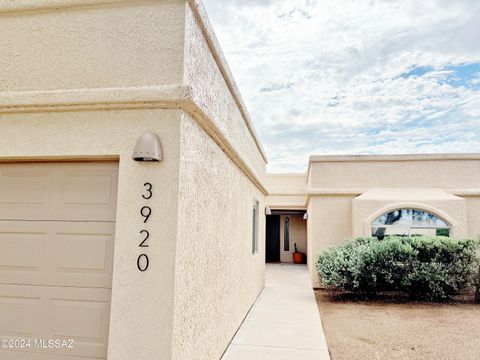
(325, 77)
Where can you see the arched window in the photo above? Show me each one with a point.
(409, 222)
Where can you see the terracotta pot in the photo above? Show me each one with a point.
(298, 258)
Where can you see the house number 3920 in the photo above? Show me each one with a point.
(146, 211)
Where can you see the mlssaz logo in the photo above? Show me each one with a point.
(53, 343)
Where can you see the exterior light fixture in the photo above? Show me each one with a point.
(148, 148)
(305, 216)
(268, 211)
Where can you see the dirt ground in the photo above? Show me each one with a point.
(389, 328)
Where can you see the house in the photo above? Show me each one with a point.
(345, 197)
(133, 187)
(130, 259)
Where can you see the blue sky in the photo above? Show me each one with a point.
(355, 77)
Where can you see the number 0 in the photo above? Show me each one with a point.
(142, 265)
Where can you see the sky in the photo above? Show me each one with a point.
(326, 77)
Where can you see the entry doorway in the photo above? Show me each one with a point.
(272, 236)
(285, 233)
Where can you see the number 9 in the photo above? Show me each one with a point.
(146, 211)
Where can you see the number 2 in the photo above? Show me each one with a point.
(147, 235)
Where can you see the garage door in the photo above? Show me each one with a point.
(57, 223)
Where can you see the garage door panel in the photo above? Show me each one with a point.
(25, 189)
(57, 230)
(22, 248)
(19, 313)
(80, 314)
(58, 191)
(82, 251)
(82, 254)
(88, 192)
(57, 253)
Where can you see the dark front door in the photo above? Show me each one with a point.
(272, 235)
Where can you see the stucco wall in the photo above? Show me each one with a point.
(334, 182)
(221, 103)
(137, 297)
(473, 216)
(453, 211)
(286, 191)
(217, 277)
(298, 235)
(329, 224)
(116, 44)
(82, 79)
(445, 172)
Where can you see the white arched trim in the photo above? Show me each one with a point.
(367, 231)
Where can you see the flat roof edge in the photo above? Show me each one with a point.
(299, 174)
(9, 6)
(175, 96)
(18, 6)
(212, 41)
(396, 157)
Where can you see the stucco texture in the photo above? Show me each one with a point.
(142, 303)
(329, 223)
(217, 276)
(473, 215)
(82, 80)
(286, 191)
(297, 235)
(213, 95)
(449, 173)
(111, 45)
(346, 193)
(370, 205)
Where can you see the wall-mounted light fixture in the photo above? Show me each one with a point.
(305, 216)
(268, 211)
(148, 148)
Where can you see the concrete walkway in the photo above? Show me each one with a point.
(284, 323)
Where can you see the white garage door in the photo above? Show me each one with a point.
(57, 223)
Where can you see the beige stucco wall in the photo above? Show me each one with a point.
(94, 135)
(214, 90)
(82, 79)
(80, 46)
(446, 185)
(452, 209)
(473, 215)
(298, 235)
(329, 223)
(448, 172)
(286, 191)
(217, 276)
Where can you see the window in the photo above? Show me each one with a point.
(255, 227)
(409, 222)
(286, 234)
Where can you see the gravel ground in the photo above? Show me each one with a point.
(395, 329)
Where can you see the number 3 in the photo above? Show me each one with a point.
(148, 189)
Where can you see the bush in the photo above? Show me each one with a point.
(431, 268)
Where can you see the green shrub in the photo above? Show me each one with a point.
(432, 268)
